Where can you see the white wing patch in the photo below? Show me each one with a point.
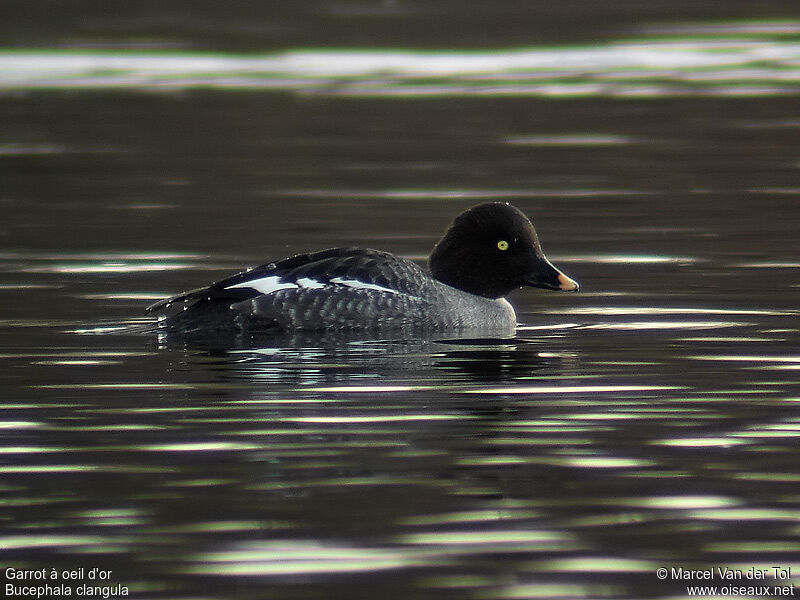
(362, 285)
(265, 285)
(273, 283)
(312, 284)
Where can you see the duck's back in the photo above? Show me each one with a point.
(341, 288)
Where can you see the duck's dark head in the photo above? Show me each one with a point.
(492, 249)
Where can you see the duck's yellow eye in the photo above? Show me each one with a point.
(502, 245)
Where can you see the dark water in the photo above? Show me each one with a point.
(649, 421)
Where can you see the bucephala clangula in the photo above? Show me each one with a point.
(487, 252)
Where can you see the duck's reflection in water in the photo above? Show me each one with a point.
(307, 358)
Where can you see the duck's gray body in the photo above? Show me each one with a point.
(433, 305)
(343, 288)
(486, 253)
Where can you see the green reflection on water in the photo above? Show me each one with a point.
(282, 401)
(701, 442)
(754, 546)
(456, 581)
(767, 434)
(34, 469)
(10, 502)
(468, 538)
(344, 482)
(28, 450)
(299, 557)
(767, 476)
(374, 389)
(76, 362)
(217, 526)
(49, 468)
(20, 424)
(198, 482)
(679, 502)
(537, 441)
(377, 418)
(595, 564)
(123, 386)
(197, 447)
(748, 514)
(579, 140)
(530, 591)
(493, 515)
(752, 62)
(45, 541)
(109, 427)
(591, 462)
(573, 389)
(607, 519)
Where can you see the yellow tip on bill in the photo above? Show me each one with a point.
(567, 284)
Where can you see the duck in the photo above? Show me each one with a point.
(487, 252)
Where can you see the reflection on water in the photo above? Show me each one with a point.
(732, 60)
(560, 453)
(650, 421)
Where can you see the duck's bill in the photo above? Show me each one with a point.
(548, 277)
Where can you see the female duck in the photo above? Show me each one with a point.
(487, 252)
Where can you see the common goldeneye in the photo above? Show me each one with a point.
(487, 252)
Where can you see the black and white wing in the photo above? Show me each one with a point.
(307, 287)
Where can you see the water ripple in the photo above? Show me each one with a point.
(758, 65)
